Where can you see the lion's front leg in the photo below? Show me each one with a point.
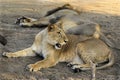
(48, 62)
(22, 53)
(24, 19)
(31, 22)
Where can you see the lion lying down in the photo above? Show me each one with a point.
(56, 46)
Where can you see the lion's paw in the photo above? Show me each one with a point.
(5, 54)
(9, 54)
(33, 67)
(25, 24)
(76, 68)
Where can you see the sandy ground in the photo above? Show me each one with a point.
(104, 12)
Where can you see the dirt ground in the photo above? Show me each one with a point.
(104, 12)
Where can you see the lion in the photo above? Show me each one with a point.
(72, 23)
(56, 46)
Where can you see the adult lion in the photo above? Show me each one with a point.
(55, 46)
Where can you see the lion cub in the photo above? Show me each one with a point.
(55, 46)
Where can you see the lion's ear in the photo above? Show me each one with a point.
(60, 24)
(51, 27)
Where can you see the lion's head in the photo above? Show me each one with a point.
(56, 36)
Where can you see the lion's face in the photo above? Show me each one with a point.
(56, 36)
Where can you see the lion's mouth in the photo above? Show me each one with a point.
(58, 46)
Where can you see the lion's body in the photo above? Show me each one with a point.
(55, 46)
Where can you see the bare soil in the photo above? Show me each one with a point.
(104, 12)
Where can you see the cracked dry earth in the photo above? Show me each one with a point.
(20, 38)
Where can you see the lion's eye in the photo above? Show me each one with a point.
(58, 32)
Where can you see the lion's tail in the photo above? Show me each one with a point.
(110, 63)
